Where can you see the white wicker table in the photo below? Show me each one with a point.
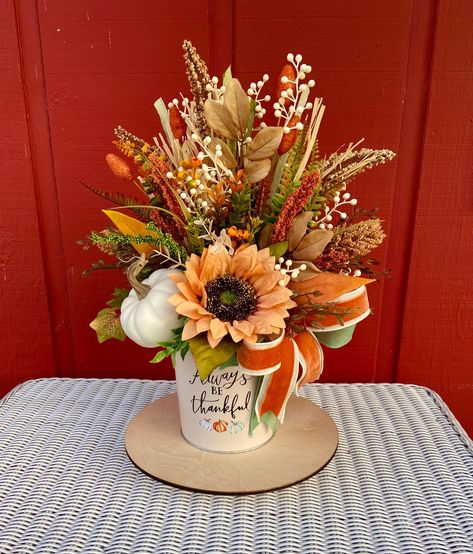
(401, 481)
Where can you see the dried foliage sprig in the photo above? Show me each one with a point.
(294, 204)
(361, 238)
(199, 79)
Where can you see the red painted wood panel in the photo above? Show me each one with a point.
(436, 346)
(26, 344)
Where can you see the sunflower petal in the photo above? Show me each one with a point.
(213, 342)
(244, 326)
(218, 328)
(187, 292)
(266, 282)
(193, 279)
(190, 330)
(214, 265)
(177, 277)
(176, 299)
(275, 297)
(243, 261)
(191, 309)
(236, 334)
(203, 324)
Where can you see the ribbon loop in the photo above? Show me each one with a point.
(287, 364)
(357, 306)
(278, 386)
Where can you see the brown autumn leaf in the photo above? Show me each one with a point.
(298, 229)
(107, 325)
(265, 236)
(310, 270)
(227, 157)
(237, 103)
(264, 144)
(219, 119)
(256, 171)
(312, 245)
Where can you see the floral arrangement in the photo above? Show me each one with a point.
(241, 232)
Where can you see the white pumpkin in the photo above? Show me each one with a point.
(205, 424)
(150, 319)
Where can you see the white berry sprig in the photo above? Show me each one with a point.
(284, 268)
(254, 92)
(293, 100)
(345, 200)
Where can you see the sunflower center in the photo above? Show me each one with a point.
(230, 298)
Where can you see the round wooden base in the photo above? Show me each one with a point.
(301, 447)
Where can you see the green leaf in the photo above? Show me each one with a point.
(270, 419)
(280, 165)
(184, 350)
(206, 358)
(107, 325)
(336, 339)
(254, 418)
(159, 357)
(279, 248)
(172, 347)
(118, 296)
(227, 76)
(251, 121)
(231, 362)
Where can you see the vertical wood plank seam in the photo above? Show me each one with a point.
(409, 216)
(45, 186)
(415, 196)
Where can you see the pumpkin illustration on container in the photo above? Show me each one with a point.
(220, 426)
(206, 424)
(236, 427)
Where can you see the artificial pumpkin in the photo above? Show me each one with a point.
(206, 424)
(236, 427)
(220, 426)
(146, 316)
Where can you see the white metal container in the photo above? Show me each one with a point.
(215, 415)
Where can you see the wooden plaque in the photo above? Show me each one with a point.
(301, 447)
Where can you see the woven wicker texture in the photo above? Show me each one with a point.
(401, 481)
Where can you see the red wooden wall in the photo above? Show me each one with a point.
(399, 74)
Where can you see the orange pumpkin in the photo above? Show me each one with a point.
(220, 426)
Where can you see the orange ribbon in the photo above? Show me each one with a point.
(289, 363)
(357, 305)
(278, 386)
(260, 362)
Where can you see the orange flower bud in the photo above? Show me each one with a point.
(288, 139)
(178, 125)
(119, 167)
(288, 72)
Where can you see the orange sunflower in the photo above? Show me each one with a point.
(240, 294)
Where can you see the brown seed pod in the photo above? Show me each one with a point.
(178, 125)
(288, 139)
(119, 167)
(289, 72)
